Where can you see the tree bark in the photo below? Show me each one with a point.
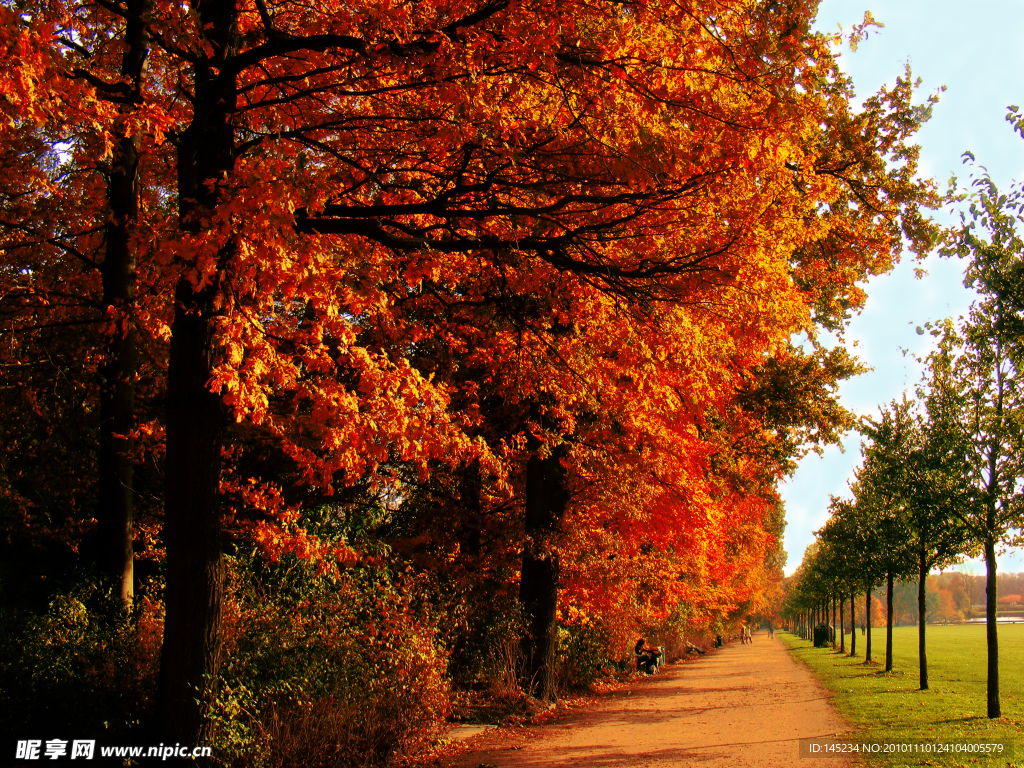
(115, 551)
(888, 622)
(547, 497)
(922, 615)
(833, 630)
(867, 625)
(842, 627)
(853, 623)
(190, 659)
(991, 625)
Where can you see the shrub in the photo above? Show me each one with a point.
(325, 671)
(82, 668)
(583, 656)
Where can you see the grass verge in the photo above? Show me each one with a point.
(891, 708)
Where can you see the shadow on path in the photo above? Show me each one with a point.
(742, 705)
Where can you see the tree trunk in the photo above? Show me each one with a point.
(833, 628)
(191, 652)
(922, 614)
(867, 626)
(842, 627)
(546, 500)
(470, 491)
(115, 551)
(190, 659)
(888, 622)
(853, 623)
(991, 625)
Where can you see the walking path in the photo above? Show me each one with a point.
(742, 705)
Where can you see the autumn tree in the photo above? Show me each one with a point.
(80, 236)
(118, 271)
(462, 204)
(567, 177)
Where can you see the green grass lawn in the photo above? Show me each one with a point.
(891, 708)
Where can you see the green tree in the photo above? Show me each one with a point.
(985, 384)
(836, 565)
(937, 484)
(854, 528)
(914, 468)
(883, 488)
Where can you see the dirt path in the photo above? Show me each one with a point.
(743, 705)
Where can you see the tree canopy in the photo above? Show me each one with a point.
(501, 290)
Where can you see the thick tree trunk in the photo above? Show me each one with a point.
(853, 623)
(867, 625)
(888, 622)
(547, 497)
(195, 571)
(115, 551)
(922, 614)
(991, 625)
(190, 660)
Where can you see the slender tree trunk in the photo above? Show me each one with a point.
(190, 659)
(833, 628)
(842, 626)
(991, 624)
(922, 614)
(471, 487)
(867, 625)
(888, 622)
(853, 623)
(546, 500)
(115, 551)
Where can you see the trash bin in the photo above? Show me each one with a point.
(821, 636)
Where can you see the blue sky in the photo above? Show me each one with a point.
(977, 52)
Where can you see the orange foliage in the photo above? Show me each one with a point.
(398, 241)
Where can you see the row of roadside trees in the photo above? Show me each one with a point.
(356, 358)
(941, 474)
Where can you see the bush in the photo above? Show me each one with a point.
(583, 657)
(325, 672)
(82, 668)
